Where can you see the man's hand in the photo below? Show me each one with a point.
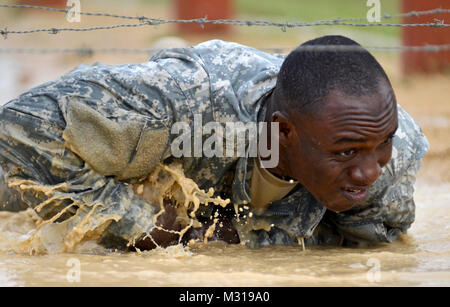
(167, 221)
(224, 231)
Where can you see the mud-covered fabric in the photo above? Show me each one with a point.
(82, 138)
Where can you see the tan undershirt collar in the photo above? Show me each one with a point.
(266, 187)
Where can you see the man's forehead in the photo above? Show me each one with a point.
(343, 114)
(372, 104)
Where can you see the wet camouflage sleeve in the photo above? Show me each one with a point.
(71, 144)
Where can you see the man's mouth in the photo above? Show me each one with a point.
(355, 194)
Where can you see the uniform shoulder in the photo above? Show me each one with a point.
(410, 136)
(410, 144)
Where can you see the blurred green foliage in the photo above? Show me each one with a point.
(313, 10)
(308, 10)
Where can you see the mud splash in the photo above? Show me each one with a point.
(26, 232)
(169, 182)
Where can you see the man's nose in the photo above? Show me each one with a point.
(367, 171)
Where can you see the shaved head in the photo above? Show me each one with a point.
(308, 76)
(337, 115)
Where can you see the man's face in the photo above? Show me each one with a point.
(339, 152)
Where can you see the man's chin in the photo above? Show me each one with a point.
(345, 201)
(344, 205)
(340, 201)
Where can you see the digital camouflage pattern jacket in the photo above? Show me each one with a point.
(82, 138)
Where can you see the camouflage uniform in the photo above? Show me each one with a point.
(82, 138)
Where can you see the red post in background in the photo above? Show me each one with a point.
(59, 4)
(425, 62)
(213, 9)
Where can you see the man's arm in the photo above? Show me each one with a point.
(68, 147)
(119, 118)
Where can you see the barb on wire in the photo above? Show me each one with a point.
(149, 51)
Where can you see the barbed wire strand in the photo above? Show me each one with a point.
(92, 51)
(202, 21)
(384, 16)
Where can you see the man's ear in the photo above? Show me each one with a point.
(288, 133)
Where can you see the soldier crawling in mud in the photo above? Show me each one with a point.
(348, 154)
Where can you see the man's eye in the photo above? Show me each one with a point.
(347, 153)
(388, 140)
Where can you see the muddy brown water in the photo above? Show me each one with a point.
(420, 258)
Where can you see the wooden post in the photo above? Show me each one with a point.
(213, 9)
(59, 4)
(425, 62)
